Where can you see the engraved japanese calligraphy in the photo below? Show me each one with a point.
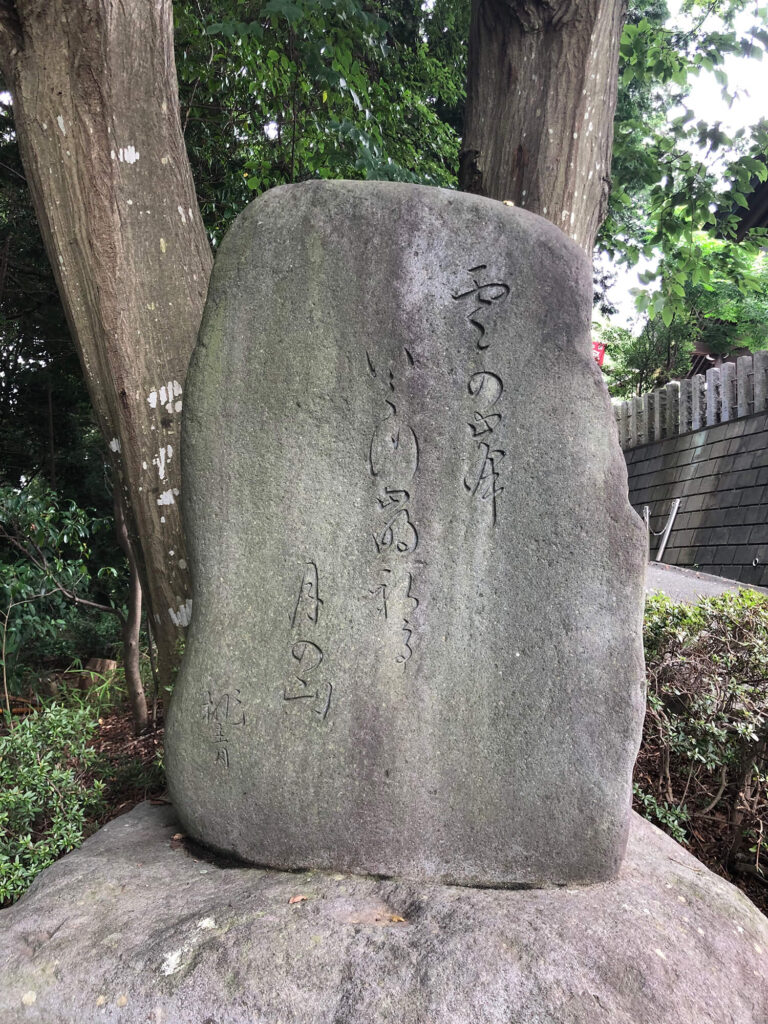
(393, 462)
(484, 295)
(482, 479)
(305, 684)
(223, 713)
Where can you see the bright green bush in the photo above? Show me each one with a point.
(48, 792)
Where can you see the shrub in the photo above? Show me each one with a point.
(702, 767)
(47, 792)
(53, 593)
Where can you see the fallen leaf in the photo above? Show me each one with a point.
(296, 899)
(396, 919)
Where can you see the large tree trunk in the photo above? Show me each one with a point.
(95, 100)
(541, 95)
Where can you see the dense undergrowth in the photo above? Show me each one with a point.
(67, 766)
(702, 772)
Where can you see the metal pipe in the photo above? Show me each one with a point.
(667, 530)
(647, 521)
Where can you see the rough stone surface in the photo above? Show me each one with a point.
(131, 929)
(415, 647)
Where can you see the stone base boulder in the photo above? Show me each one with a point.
(134, 927)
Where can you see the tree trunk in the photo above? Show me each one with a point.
(541, 94)
(131, 625)
(95, 102)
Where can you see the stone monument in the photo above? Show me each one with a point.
(415, 646)
(415, 650)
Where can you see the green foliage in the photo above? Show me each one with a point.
(48, 582)
(725, 308)
(706, 730)
(671, 819)
(47, 792)
(635, 365)
(674, 177)
(288, 90)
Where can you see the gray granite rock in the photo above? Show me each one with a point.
(131, 929)
(415, 646)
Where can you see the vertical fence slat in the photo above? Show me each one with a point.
(637, 420)
(727, 392)
(698, 410)
(760, 380)
(622, 421)
(660, 416)
(650, 408)
(714, 386)
(673, 408)
(744, 398)
(686, 405)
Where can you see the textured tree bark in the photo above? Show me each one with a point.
(95, 100)
(541, 94)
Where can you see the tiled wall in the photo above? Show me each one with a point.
(720, 474)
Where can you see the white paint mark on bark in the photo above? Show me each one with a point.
(164, 160)
(162, 245)
(60, 123)
(166, 498)
(163, 456)
(182, 214)
(127, 155)
(183, 614)
(152, 399)
(143, 465)
(189, 211)
(114, 444)
(162, 520)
